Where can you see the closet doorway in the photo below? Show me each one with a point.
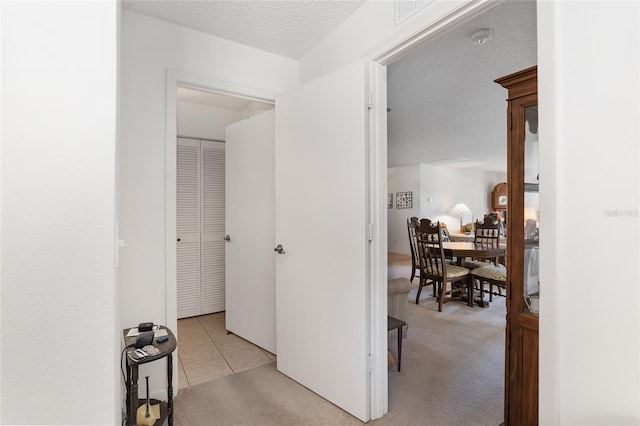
(202, 118)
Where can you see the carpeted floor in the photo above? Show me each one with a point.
(452, 374)
(452, 366)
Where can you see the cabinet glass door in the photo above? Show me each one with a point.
(531, 281)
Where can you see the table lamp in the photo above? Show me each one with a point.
(461, 208)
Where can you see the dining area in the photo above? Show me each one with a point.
(458, 270)
(493, 259)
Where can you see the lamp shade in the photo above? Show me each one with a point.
(460, 208)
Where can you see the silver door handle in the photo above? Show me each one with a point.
(227, 238)
(279, 249)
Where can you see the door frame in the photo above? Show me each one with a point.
(422, 29)
(177, 79)
(377, 216)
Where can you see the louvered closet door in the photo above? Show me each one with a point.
(188, 228)
(200, 227)
(213, 227)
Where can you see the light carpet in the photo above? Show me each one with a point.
(452, 374)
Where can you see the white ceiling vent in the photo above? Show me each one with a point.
(406, 8)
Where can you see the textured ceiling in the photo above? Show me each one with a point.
(445, 107)
(286, 28)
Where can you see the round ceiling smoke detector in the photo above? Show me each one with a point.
(482, 36)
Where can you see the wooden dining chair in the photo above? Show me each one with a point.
(495, 276)
(488, 271)
(486, 232)
(412, 223)
(433, 266)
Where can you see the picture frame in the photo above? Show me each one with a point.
(404, 200)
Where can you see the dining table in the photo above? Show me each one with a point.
(463, 249)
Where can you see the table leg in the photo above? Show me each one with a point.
(399, 346)
(170, 388)
(133, 396)
(127, 384)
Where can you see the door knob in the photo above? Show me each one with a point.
(279, 249)
(227, 238)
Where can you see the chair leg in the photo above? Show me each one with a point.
(490, 291)
(419, 290)
(413, 273)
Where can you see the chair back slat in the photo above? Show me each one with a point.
(430, 251)
(412, 224)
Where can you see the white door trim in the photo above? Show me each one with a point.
(423, 28)
(377, 219)
(177, 79)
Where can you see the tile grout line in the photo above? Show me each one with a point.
(201, 326)
(222, 355)
(215, 345)
(184, 371)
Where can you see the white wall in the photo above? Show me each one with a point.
(402, 179)
(588, 90)
(60, 333)
(436, 189)
(447, 186)
(589, 133)
(204, 121)
(149, 48)
(369, 27)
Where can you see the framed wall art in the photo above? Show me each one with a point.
(404, 200)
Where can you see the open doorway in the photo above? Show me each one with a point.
(202, 120)
(199, 109)
(446, 144)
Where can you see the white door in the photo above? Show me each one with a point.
(321, 210)
(251, 298)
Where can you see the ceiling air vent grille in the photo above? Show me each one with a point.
(407, 8)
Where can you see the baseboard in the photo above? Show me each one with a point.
(399, 252)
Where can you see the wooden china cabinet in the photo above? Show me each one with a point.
(523, 290)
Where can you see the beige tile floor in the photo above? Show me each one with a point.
(206, 351)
